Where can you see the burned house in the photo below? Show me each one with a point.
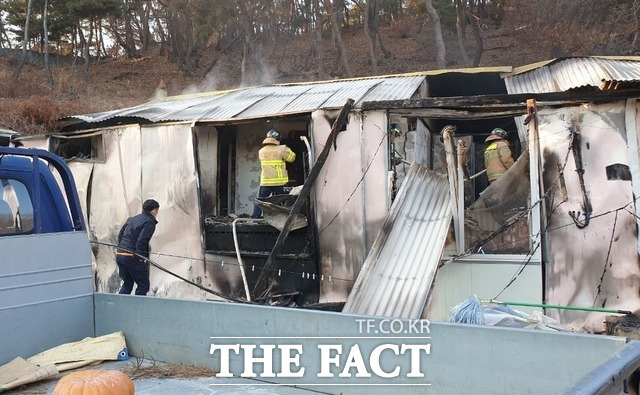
(561, 228)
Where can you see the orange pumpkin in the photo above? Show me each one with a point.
(90, 382)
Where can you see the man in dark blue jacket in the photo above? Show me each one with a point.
(134, 238)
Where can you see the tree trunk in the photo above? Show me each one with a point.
(104, 50)
(460, 28)
(636, 37)
(187, 28)
(318, 32)
(45, 22)
(245, 78)
(385, 53)
(163, 37)
(248, 66)
(130, 46)
(85, 50)
(335, 28)
(23, 58)
(477, 34)
(172, 34)
(437, 27)
(370, 34)
(146, 32)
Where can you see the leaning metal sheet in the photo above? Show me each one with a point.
(597, 265)
(397, 276)
(169, 176)
(115, 194)
(339, 208)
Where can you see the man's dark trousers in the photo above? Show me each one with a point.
(133, 270)
(263, 193)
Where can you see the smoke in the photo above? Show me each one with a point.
(265, 73)
(210, 83)
(219, 77)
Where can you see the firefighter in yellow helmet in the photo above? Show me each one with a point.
(497, 155)
(274, 175)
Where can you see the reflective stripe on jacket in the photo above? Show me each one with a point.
(497, 157)
(272, 161)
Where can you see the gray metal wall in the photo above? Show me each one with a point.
(46, 292)
(463, 359)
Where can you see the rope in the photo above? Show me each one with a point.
(307, 275)
(154, 264)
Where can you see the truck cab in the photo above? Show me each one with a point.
(46, 273)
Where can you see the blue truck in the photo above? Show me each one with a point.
(45, 257)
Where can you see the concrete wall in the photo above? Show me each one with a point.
(463, 358)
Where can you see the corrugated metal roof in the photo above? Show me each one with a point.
(566, 74)
(397, 275)
(269, 100)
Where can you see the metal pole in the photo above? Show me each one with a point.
(560, 307)
(235, 243)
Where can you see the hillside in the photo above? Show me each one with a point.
(520, 38)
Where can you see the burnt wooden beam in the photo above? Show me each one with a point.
(266, 276)
(503, 102)
(446, 113)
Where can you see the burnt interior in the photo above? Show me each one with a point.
(236, 151)
(486, 209)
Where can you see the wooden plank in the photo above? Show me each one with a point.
(499, 102)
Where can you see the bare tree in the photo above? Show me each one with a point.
(47, 65)
(245, 15)
(370, 11)
(318, 40)
(461, 17)
(129, 41)
(474, 21)
(335, 28)
(23, 58)
(437, 27)
(636, 14)
(86, 43)
(145, 15)
(161, 32)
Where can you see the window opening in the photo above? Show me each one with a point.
(16, 208)
(85, 148)
(496, 217)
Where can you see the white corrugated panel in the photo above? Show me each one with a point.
(400, 269)
(395, 89)
(266, 101)
(574, 73)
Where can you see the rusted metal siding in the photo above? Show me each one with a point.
(398, 273)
